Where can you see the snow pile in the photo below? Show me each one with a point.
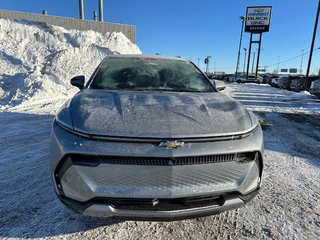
(37, 60)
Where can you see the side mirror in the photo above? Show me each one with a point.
(78, 81)
(219, 85)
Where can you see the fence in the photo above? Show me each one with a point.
(73, 23)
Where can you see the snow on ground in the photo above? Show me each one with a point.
(287, 207)
(267, 98)
(37, 61)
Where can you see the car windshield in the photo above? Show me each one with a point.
(150, 74)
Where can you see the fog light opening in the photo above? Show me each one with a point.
(245, 157)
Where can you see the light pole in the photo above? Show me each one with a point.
(101, 10)
(240, 42)
(244, 62)
(301, 62)
(206, 61)
(81, 9)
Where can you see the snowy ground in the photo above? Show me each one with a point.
(267, 98)
(36, 63)
(288, 206)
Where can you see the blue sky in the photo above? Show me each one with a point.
(198, 28)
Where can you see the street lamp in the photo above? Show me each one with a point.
(242, 24)
(301, 61)
(206, 61)
(244, 62)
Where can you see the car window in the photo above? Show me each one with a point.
(149, 74)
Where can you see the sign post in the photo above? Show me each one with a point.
(257, 22)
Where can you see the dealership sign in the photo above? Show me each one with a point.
(258, 19)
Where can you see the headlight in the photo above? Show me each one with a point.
(64, 116)
(254, 119)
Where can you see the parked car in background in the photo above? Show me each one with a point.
(249, 79)
(284, 82)
(275, 81)
(260, 79)
(267, 78)
(315, 88)
(210, 75)
(229, 78)
(240, 79)
(298, 84)
(219, 76)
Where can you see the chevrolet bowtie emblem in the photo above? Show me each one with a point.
(258, 10)
(171, 144)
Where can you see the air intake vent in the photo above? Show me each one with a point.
(93, 161)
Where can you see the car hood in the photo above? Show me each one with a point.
(157, 115)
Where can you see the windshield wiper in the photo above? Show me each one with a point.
(173, 90)
(153, 89)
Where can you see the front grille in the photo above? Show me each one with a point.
(161, 204)
(92, 161)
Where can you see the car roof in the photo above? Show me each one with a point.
(141, 56)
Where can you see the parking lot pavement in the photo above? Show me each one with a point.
(287, 207)
(266, 98)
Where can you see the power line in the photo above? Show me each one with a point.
(290, 59)
(307, 11)
(290, 50)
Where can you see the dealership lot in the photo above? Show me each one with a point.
(288, 206)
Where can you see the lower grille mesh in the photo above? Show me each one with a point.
(163, 204)
(88, 160)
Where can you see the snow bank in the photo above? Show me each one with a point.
(37, 60)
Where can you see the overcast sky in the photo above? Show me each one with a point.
(198, 28)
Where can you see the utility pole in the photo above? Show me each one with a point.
(81, 9)
(198, 61)
(278, 64)
(301, 62)
(244, 62)
(101, 10)
(312, 46)
(240, 42)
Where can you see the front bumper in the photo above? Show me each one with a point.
(105, 209)
(88, 189)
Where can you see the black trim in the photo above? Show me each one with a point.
(157, 140)
(95, 160)
(185, 203)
